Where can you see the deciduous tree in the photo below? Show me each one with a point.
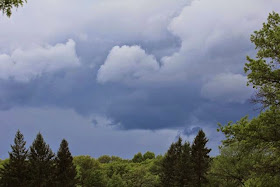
(264, 72)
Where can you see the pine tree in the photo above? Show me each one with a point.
(186, 165)
(171, 165)
(15, 172)
(200, 159)
(168, 163)
(178, 177)
(65, 169)
(41, 163)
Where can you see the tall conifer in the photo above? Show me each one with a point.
(41, 163)
(15, 172)
(168, 164)
(186, 165)
(171, 165)
(200, 159)
(178, 178)
(65, 169)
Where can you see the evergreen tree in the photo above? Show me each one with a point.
(200, 159)
(171, 165)
(41, 163)
(178, 177)
(186, 165)
(168, 162)
(65, 169)
(15, 172)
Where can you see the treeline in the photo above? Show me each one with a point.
(182, 165)
(38, 166)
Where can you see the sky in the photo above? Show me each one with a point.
(119, 77)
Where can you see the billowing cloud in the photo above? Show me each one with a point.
(125, 64)
(214, 39)
(23, 65)
(189, 66)
(227, 88)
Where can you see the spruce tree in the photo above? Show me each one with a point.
(200, 159)
(168, 163)
(178, 178)
(15, 172)
(41, 165)
(186, 165)
(171, 165)
(65, 170)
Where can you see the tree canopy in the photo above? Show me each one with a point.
(264, 71)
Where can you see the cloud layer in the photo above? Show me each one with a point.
(144, 68)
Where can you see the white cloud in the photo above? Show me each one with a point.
(127, 63)
(227, 88)
(23, 65)
(215, 37)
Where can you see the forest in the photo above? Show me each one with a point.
(249, 154)
(182, 165)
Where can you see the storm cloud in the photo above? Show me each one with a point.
(126, 69)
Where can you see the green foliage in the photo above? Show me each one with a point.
(263, 72)
(88, 168)
(251, 150)
(140, 177)
(200, 159)
(65, 171)
(41, 164)
(168, 167)
(185, 165)
(95, 179)
(116, 181)
(127, 173)
(3, 162)
(104, 159)
(149, 155)
(84, 171)
(138, 158)
(231, 168)
(115, 158)
(15, 171)
(6, 6)
(250, 154)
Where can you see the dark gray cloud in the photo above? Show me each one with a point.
(189, 73)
